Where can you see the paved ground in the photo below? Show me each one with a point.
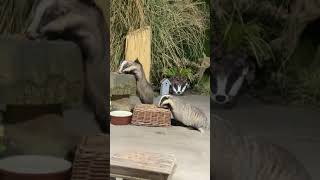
(191, 148)
(297, 129)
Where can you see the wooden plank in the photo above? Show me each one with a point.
(143, 165)
(138, 46)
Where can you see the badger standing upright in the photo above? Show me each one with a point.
(144, 88)
(82, 22)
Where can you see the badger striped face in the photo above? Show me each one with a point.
(178, 85)
(228, 76)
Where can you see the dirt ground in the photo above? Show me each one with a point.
(191, 148)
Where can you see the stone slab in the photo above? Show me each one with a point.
(122, 84)
(40, 72)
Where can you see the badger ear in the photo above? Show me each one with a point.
(137, 61)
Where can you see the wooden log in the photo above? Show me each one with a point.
(138, 46)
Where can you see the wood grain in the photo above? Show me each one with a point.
(138, 46)
(142, 165)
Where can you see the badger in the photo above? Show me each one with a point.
(228, 76)
(82, 22)
(178, 85)
(185, 113)
(240, 157)
(144, 88)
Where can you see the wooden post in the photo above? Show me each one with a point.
(138, 46)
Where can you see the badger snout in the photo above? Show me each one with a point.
(220, 99)
(226, 89)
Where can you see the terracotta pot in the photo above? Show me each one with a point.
(32, 167)
(120, 117)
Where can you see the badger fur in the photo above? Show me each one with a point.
(144, 88)
(185, 113)
(240, 157)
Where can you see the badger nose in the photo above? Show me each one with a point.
(221, 98)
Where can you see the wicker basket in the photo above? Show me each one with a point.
(150, 115)
(92, 159)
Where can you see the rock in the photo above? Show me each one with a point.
(134, 100)
(121, 104)
(40, 72)
(44, 135)
(81, 122)
(122, 84)
(125, 103)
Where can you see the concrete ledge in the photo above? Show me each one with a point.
(40, 72)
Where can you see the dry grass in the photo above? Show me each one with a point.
(13, 15)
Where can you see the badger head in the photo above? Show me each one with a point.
(47, 17)
(166, 101)
(178, 85)
(132, 67)
(229, 74)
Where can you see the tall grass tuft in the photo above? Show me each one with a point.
(14, 15)
(178, 30)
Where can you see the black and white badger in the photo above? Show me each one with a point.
(228, 76)
(82, 22)
(144, 88)
(185, 113)
(178, 85)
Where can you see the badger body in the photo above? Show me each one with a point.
(239, 157)
(185, 113)
(144, 88)
(82, 22)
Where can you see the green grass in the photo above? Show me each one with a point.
(179, 31)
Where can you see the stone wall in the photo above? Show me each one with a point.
(123, 91)
(40, 72)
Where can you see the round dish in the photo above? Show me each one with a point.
(33, 167)
(120, 117)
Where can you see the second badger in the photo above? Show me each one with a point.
(186, 113)
(144, 88)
